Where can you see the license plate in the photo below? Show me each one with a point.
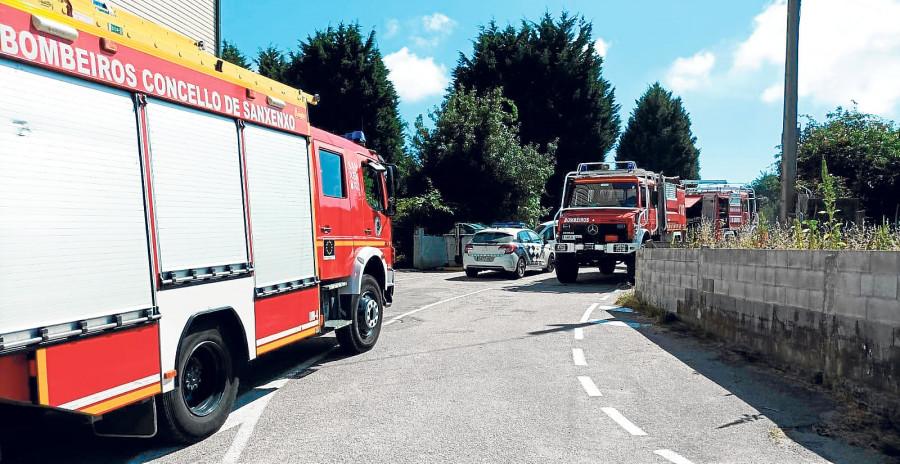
(561, 247)
(620, 248)
(484, 258)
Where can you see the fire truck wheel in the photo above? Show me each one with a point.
(551, 263)
(629, 264)
(205, 389)
(607, 267)
(519, 272)
(566, 269)
(365, 321)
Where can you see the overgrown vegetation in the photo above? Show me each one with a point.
(808, 234)
(659, 315)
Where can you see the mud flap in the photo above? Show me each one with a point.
(134, 421)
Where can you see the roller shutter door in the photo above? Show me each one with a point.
(197, 188)
(280, 206)
(73, 235)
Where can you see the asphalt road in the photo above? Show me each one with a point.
(492, 370)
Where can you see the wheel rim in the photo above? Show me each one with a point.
(369, 313)
(203, 380)
(520, 268)
(551, 264)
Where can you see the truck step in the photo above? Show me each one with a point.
(337, 323)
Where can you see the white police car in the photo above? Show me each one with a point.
(508, 247)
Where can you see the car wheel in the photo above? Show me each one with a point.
(365, 319)
(551, 263)
(471, 272)
(519, 272)
(205, 389)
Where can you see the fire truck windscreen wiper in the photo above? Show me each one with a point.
(604, 194)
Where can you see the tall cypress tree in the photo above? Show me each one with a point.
(658, 136)
(346, 70)
(553, 74)
(272, 63)
(233, 55)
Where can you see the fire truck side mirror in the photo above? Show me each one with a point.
(391, 184)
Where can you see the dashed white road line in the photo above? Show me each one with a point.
(672, 456)
(579, 333)
(423, 308)
(623, 422)
(578, 357)
(587, 314)
(589, 386)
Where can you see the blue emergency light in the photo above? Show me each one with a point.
(356, 136)
(511, 225)
(630, 165)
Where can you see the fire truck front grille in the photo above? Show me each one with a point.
(602, 231)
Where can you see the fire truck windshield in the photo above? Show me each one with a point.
(604, 194)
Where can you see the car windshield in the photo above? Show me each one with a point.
(492, 237)
(614, 194)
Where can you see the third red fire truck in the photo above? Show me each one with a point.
(609, 210)
(729, 208)
(165, 218)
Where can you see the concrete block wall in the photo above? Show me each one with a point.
(823, 311)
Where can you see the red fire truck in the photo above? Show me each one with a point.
(609, 210)
(165, 218)
(729, 208)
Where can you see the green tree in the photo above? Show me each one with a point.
(271, 62)
(346, 70)
(478, 163)
(768, 193)
(231, 54)
(553, 74)
(863, 150)
(658, 136)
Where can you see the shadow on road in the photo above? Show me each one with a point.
(45, 436)
(799, 411)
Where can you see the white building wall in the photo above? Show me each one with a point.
(197, 19)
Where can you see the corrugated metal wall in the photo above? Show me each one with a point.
(197, 19)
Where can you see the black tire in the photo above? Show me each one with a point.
(471, 272)
(365, 319)
(551, 263)
(608, 267)
(519, 271)
(566, 269)
(205, 389)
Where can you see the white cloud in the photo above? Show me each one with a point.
(690, 73)
(848, 51)
(416, 78)
(392, 28)
(773, 94)
(601, 46)
(438, 23)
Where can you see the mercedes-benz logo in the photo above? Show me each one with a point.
(593, 229)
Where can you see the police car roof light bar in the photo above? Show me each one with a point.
(510, 225)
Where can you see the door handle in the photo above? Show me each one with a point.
(368, 231)
(325, 229)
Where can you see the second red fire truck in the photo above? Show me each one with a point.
(609, 211)
(165, 218)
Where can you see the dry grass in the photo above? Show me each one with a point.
(659, 315)
(808, 235)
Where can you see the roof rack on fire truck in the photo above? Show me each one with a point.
(115, 25)
(697, 187)
(616, 168)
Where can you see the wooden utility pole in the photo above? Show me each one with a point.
(790, 133)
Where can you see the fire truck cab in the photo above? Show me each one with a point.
(608, 211)
(165, 218)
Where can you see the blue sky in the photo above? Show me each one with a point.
(724, 58)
